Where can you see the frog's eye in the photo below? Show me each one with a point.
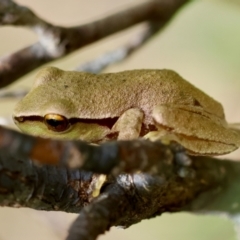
(56, 122)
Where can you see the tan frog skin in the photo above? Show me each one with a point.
(153, 104)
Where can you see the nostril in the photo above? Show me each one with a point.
(18, 119)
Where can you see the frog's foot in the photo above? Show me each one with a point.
(164, 136)
(192, 145)
(129, 124)
(196, 130)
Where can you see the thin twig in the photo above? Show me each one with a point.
(16, 93)
(99, 64)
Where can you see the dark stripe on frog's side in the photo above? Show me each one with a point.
(108, 122)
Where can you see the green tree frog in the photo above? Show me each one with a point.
(153, 104)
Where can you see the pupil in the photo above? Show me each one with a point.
(54, 122)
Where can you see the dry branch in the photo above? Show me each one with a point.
(99, 64)
(178, 181)
(55, 41)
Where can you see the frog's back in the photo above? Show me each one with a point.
(147, 88)
(85, 95)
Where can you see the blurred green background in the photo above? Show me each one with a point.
(201, 43)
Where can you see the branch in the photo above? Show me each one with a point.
(49, 188)
(55, 41)
(137, 197)
(16, 93)
(178, 182)
(111, 157)
(99, 64)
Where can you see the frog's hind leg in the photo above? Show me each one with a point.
(198, 131)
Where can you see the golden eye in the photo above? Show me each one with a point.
(56, 123)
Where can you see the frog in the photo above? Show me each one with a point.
(153, 104)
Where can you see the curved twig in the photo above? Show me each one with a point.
(99, 64)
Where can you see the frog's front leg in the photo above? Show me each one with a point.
(129, 124)
(200, 132)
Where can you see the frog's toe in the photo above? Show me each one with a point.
(164, 136)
